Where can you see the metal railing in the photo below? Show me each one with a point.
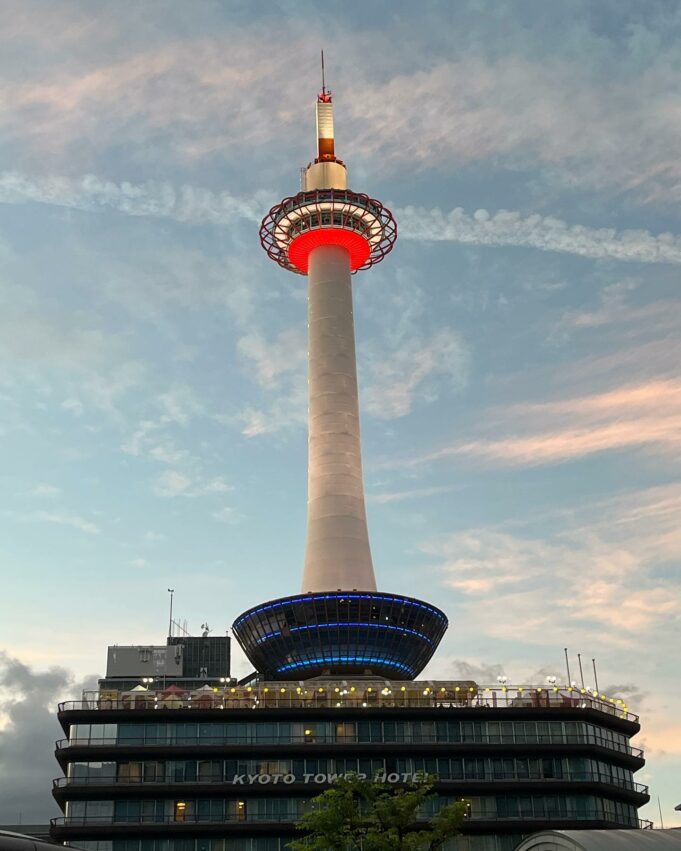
(488, 777)
(572, 815)
(319, 739)
(342, 694)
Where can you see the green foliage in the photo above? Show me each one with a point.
(367, 815)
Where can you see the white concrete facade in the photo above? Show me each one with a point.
(337, 555)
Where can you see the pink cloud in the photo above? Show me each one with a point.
(643, 416)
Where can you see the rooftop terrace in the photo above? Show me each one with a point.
(362, 692)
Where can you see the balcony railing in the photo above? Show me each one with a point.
(342, 694)
(319, 739)
(489, 777)
(559, 819)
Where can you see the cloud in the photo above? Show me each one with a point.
(480, 672)
(410, 368)
(545, 233)
(172, 483)
(285, 412)
(414, 493)
(279, 367)
(45, 490)
(270, 360)
(199, 206)
(64, 519)
(227, 515)
(640, 416)
(55, 350)
(643, 416)
(186, 204)
(594, 575)
(28, 700)
(153, 536)
(556, 115)
(154, 437)
(517, 96)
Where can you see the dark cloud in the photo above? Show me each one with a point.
(28, 702)
(462, 670)
(633, 695)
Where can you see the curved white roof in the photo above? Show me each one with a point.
(603, 840)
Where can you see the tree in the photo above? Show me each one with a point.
(367, 815)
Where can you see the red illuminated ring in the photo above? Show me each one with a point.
(336, 217)
(356, 245)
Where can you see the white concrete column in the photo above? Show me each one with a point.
(337, 553)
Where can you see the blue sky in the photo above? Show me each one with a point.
(518, 350)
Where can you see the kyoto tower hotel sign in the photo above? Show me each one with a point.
(340, 623)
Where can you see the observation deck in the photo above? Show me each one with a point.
(341, 633)
(351, 220)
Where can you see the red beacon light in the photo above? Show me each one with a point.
(326, 212)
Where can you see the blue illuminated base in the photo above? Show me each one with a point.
(339, 633)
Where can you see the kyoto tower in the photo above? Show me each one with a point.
(339, 623)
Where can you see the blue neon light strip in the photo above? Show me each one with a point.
(277, 632)
(291, 600)
(332, 660)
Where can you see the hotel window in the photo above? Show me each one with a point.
(346, 731)
(130, 772)
(209, 770)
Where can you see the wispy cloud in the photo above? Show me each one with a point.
(593, 574)
(200, 206)
(383, 497)
(278, 365)
(187, 204)
(643, 416)
(228, 515)
(412, 366)
(43, 489)
(172, 483)
(545, 233)
(270, 360)
(65, 519)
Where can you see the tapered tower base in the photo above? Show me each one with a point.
(341, 633)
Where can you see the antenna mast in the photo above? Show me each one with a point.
(323, 80)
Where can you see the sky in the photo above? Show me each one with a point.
(518, 351)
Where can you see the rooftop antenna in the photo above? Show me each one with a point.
(171, 591)
(567, 665)
(323, 80)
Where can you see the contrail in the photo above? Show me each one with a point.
(542, 232)
(188, 204)
(197, 206)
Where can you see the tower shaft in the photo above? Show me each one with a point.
(338, 555)
(340, 623)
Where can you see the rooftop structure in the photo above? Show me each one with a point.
(188, 660)
(340, 623)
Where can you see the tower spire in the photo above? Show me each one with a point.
(325, 141)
